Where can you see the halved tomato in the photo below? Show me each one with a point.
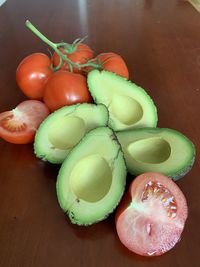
(19, 125)
(152, 215)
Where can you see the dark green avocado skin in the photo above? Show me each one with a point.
(183, 172)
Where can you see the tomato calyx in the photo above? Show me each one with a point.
(71, 48)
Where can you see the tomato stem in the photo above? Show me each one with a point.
(39, 34)
(55, 47)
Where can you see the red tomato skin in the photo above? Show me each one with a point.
(134, 193)
(110, 62)
(81, 55)
(65, 88)
(32, 74)
(114, 63)
(29, 112)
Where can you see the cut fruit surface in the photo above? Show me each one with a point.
(19, 125)
(126, 109)
(129, 105)
(92, 178)
(151, 216)
(157, 149)
(66, 132)
(64, 128)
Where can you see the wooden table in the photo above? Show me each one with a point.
(160, 42)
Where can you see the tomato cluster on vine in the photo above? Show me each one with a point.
(61, 79)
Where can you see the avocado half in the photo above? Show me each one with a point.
(91, 180)
(157, 150)
(129, 105)
(64, 128)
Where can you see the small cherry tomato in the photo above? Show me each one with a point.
(152, 215)
(19, 125)
(110, 62)
(32, 74)
(65, 88)
(80, 54)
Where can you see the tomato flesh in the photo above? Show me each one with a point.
(19, 125)
(151, 217)
(13, 125)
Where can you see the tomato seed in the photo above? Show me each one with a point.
(157, 190)
(12, 125)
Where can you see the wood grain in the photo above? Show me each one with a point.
(160, 42)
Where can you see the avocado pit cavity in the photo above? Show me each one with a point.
(152, 150)
(66, 132)
(91, 178)
(130, 111)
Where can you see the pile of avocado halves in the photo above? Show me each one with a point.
(98, 143)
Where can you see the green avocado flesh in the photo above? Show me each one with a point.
(92, 178)
(157, 150)
(64, 128)
(129, 105)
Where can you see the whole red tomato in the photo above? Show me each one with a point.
(65, 88)
(80, 55)
(111, 62)
(32, 74)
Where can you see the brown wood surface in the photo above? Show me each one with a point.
(160, 41)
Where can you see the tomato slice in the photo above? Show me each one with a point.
(19, 125)
(152, 215)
